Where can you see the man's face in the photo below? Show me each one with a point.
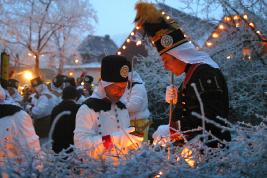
(11, 91)
(38, 89)
(87, 85)
(115, 91)
(172, 64)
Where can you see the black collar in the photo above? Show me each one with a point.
(187, 67)
(8, 110)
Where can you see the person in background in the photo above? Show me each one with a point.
(63, 139)
(45, 101)
(71, 81)
(41, 106)
(57, 85)
(202, 74)
(12, 88)
(137, 104)
(87, 85)
(8, 98)
(102, 122)
(81, 97)
(17, 134)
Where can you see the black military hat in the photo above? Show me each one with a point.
(115, 68)
(163, 32)
(59, 79)
(70, 92)
(3, 82)
(71, 81)
(13, 83)
(36, 81)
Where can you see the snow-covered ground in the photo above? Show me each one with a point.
(244, 156)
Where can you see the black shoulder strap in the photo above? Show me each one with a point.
(98, 104)
(8, 110)
(121, 105)
(133, 84)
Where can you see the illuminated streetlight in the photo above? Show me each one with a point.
(76, 61)
(27, 75)
(70, 73)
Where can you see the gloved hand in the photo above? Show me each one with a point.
(107, 142)
(162, 135)
(171, 94)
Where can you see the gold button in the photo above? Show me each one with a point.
(183, 102)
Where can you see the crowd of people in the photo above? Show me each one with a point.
(83, 113)
(114, 117)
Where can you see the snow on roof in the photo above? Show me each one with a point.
(88, 65)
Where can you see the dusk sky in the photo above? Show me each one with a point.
(115, 17)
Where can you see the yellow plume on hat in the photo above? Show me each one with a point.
(146, 12)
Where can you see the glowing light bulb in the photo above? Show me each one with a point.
(215, 35)
(245, 17)
(209, 44)
(251, 24)
(139, 42)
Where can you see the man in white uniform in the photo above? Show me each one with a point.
(102, 123)
(43, 105)
(12, 88)
(17, 135)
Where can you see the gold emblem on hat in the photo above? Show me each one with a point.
(166, 41)
(124, 71)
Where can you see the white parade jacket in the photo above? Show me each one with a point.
(17, 134)
(16, 96)
(44, 105)
(136, 97)
(98, 118)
